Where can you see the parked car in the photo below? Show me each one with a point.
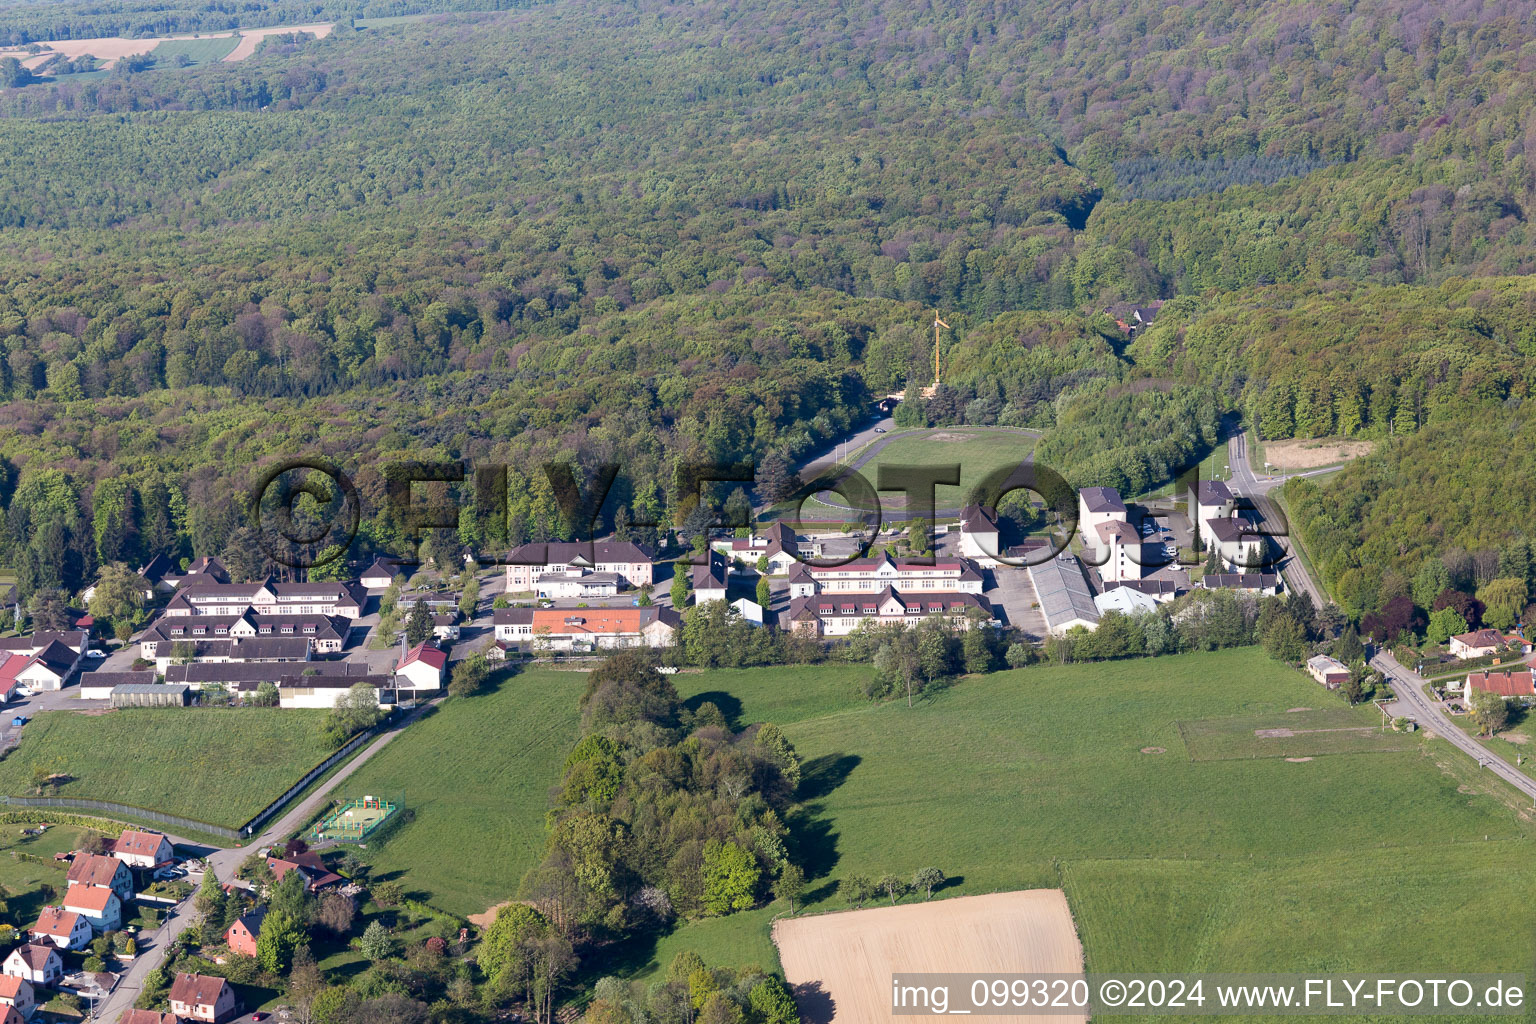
(879, 430)
(167, 873)
(23, 691)
(93, 653)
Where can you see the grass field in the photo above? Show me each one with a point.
(1293, 733)
(1360, 860)
(215, 765)
(1037, 778)
(976, 450)
(199, 51)
(475, 776)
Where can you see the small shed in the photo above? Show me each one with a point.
(151, 695)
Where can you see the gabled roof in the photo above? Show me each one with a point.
(1324, 663)
(36, 957)
(157, 568)
(1101, 499)
(56, 658)
(1505, 684)
(139, 844)
(1118, 530)
(70, 639)
(113, 679)
(382, 567)
(976, 519)
(56, 921)
(1486, 638)
(250, 921)
(136, 1016)
(207, 566)
(88, 899)
(426, 654)
(93, 870)
(10, 986)
(711, 575)
(1062, 590)
(197, 989)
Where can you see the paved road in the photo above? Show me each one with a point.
(1256, 487)
(1411, 702)
(224, 862)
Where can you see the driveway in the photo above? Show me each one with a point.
(1255, 487)
(1411, 702)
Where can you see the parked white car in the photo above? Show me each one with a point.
(95, 654)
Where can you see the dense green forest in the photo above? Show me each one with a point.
(645, 233)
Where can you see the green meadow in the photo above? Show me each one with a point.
(1374, 855)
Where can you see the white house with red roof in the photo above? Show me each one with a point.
(95, 871)
(17, 993)
(143, 850)
(38, 964)
(61, 928)
(100, 907)
(137, 1016)
(1508, 685)
(423, 667)
(1482, 642)
(203, 998)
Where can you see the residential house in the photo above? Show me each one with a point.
(204, 570)
(711, 579)
(143, 850)
(17, 994)
(585, 629)
(824, 615)
(99, 906)
(242, 936)
(159, 575)
(980, 539)
(1208, 500)
(1115, 548)
(783, 548)
(1482, 642)
(1252, 582)
(445, 626)
(531, 561)
(308, 864)
(1508, 685)
(1096, 506)
(77, 640)
(423, 666)
(1063, 594)
(322, 691)
(1238, 542)
(202, 998)
(381, 574)
(872, 575)
(37, 964)
(61, 928)
(1331, 672)
(92, 871)
(136, 1016)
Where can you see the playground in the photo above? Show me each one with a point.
(354, 820)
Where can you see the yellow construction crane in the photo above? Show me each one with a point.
(937, 323)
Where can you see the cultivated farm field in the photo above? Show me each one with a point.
(848, 958)
(207, 50)
(209, 764)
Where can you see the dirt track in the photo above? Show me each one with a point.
(840, 965)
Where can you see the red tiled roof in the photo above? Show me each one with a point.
(139, 844)
(55, 921)
(1505, 684)
(148, 1017)
(90, 869)
(426, 654)
(10, 986)
(197, 989)
(88, 898)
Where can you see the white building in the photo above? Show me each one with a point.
(872, 575)
(1238, 542)
(824, 615)
(61, 929)
(979, 536)
(423, 667)
(1125, 600)
(99, 906)
(531, 561)
(345, 600)
(579, 585)
(143, 850)
(1209, 499)
(17, 994)
(778, 543)
(585, 629)
(711, 580)
(36, 964)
